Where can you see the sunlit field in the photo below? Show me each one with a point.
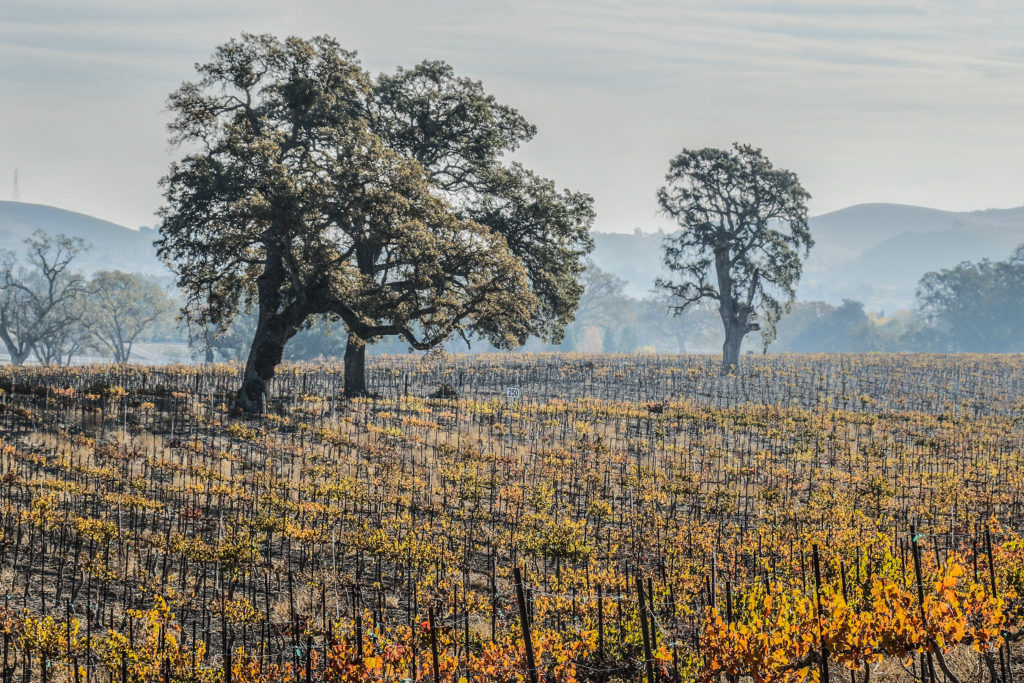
(854, 517)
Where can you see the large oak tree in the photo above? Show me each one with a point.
(743, 235)
(311, 189)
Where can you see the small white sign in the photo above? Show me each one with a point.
(512, 393)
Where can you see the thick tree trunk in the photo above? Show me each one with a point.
(272, 333)
(15, 351)
(355, 367)
(731, 348)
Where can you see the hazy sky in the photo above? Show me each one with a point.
(911, 101)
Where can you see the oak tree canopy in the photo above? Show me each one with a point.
(311, 188)
(743, 234)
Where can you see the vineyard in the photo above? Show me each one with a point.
(617, 518)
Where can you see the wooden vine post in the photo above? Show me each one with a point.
(524, 621)
(927, 666)
(433, 643)
(817, 597)
(1004, 654)
(644, 629)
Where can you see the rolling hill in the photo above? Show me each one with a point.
(874, 253)
(111, 246)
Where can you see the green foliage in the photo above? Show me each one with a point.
(318, 191)
(121, 307)
(976, 306)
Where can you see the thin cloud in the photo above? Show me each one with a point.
(864, 99)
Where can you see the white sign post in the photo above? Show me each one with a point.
(512, 394)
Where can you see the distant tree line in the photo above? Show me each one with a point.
(976, 307)
(972, 307)
(52, 313)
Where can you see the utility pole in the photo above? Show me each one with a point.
(15, 193)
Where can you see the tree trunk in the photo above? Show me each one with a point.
(272, 333)
(731, 348)
(16, 352)
(681, 342)
(355, 367)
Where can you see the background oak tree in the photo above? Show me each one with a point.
(122, 306)
(41, 298)
(743, 235)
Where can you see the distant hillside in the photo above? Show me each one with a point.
(112, 246)
(874, 253)
(887, 262)
(854, 228)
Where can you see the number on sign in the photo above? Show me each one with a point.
(512, 393)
